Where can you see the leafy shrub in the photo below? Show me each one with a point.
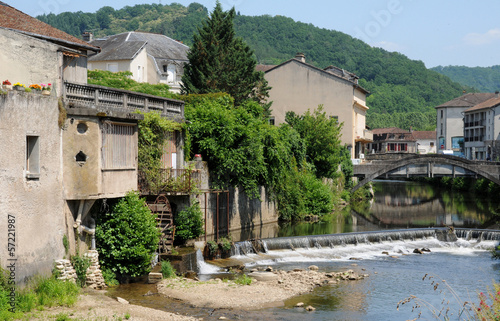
(109, 277)
(302, 194)
(213, 247)
(127, 237)
(80, 264)
(167, 270)
(189, 222)
(225, 243)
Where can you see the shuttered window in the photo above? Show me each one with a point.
(119, 149)
(170, 150)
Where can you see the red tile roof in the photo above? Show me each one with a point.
(389, 130)
(424, 134)
(11, 18)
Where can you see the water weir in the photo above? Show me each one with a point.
(356, 238)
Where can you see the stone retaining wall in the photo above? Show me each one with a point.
(95, 280)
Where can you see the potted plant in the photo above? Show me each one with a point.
(35, 88)
(6, 84)
(19, 86)
(46, 89)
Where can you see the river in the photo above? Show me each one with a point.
(461, 269)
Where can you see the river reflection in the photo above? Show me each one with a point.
(413, 204)
(405, 204)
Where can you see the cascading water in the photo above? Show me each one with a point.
(360, 245)
(479, 235)
(204, 267)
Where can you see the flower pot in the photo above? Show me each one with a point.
(46, 92)
(19, 88)
(7, 87)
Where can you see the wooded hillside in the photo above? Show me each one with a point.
(397, 84)
(484, 79)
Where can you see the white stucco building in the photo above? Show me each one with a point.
(482, 130)
(450, 121)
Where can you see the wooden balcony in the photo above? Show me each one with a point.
(170, 180)
(99, 97)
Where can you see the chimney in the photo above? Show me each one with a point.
(496, 94)
(300, 57)
(87, 36)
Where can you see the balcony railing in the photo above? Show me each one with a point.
(93, 96)
(479, 138)
(476, 123)
(169, 180)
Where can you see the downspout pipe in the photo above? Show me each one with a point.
(89, 230)
(78, 220)
(82, 228)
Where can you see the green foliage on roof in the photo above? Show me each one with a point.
(123, 80)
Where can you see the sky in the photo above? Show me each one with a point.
(437, 32)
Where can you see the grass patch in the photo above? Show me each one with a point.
(40, 292)
(167, 270)
(243, 279)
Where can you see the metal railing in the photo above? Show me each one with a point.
(94, 96)
(478, 138)
(169, 180)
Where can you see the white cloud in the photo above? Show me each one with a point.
(389, 46)
(478, 39)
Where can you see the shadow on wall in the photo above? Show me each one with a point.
(243, 213)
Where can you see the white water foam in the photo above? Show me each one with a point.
(204, 267)
(373, 251)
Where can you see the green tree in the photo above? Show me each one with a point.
(221, 62)
(322, 139)
(189, 222)
(127, 237)
(230, 139)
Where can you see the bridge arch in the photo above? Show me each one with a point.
(370, 171)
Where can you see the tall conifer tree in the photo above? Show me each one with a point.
(221, 62)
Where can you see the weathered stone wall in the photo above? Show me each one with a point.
(35, 203)
(94, 279)
(244, 213)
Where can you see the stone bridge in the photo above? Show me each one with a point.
(428, 165)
